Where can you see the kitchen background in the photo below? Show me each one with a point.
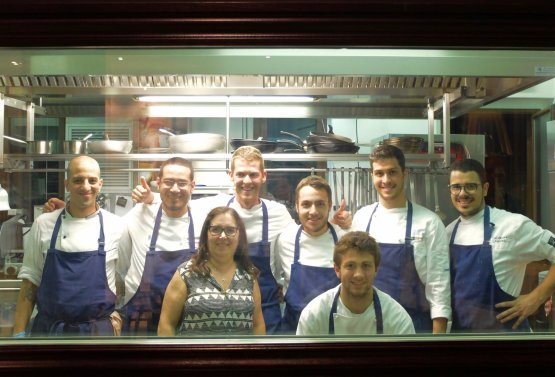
(496, 106)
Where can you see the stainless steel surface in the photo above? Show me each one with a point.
(110, 146)
(387, 96)
(74, 147)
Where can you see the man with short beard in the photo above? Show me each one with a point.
(490, 249)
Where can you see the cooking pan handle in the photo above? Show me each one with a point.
(293, 135)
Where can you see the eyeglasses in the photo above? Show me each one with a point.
(171, 182)
(217, 230)
(469, 188)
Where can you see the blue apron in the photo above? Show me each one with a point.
(306, 282)
(259, 253)
(377, 310)
(397, 276)
(474, 287)
(74, 297)
(142, 311)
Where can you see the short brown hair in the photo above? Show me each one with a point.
(316, 182)
(359, 241)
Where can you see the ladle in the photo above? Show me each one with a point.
(87, 137)
(438, 210)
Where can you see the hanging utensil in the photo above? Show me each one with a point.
(336, 201)
(355, 190)
(438, 210)
(412, 190)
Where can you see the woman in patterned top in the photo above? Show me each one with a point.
(216, 292)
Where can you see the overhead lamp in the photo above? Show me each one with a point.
(224, 99)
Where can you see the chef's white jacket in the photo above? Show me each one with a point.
(76, 234)
(431, 251)
(516, 241)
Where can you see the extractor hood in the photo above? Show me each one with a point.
(335, 95)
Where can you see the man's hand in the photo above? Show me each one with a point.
(53, 204)
(520, 308)
(142, 193)
(341, 217)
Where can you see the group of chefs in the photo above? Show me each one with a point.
(391, 268)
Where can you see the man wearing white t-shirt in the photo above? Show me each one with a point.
(355, 307)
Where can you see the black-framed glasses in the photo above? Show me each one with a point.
(469, 188)
(217, 230)
(171, 182)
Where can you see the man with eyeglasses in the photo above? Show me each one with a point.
(490, 249)
(415, 257)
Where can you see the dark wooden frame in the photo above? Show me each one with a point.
(472, 24)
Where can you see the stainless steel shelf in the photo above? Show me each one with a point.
(13, 162)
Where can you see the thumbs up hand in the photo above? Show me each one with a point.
(142, 193)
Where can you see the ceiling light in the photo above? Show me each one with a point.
(224, 99)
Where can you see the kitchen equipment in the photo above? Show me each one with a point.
(110, 146)
(264, 146)
(288, 146)
(316, 137)
(196, 142)
(408, 144)
(76, 146)
(37, 146)
(438, 210)
(332, 147)
(327, 143)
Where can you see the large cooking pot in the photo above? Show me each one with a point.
(37, 146)
(264, 146)
(196, 142)
(76, 146)
(110, 146)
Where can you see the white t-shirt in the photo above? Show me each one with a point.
(431, 251)
(314, 318)
(314, 251)
(75, 235)
(516, 241)
(135, 241)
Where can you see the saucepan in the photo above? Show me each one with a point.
(76, 146)
(37, 146)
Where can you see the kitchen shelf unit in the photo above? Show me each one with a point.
(13, 162)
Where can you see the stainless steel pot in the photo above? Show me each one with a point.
(74, 147)
(110, 146)
(196, 142)
(37, 146)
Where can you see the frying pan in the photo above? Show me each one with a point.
(264, 146)
(327, 136)
(195, 142)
